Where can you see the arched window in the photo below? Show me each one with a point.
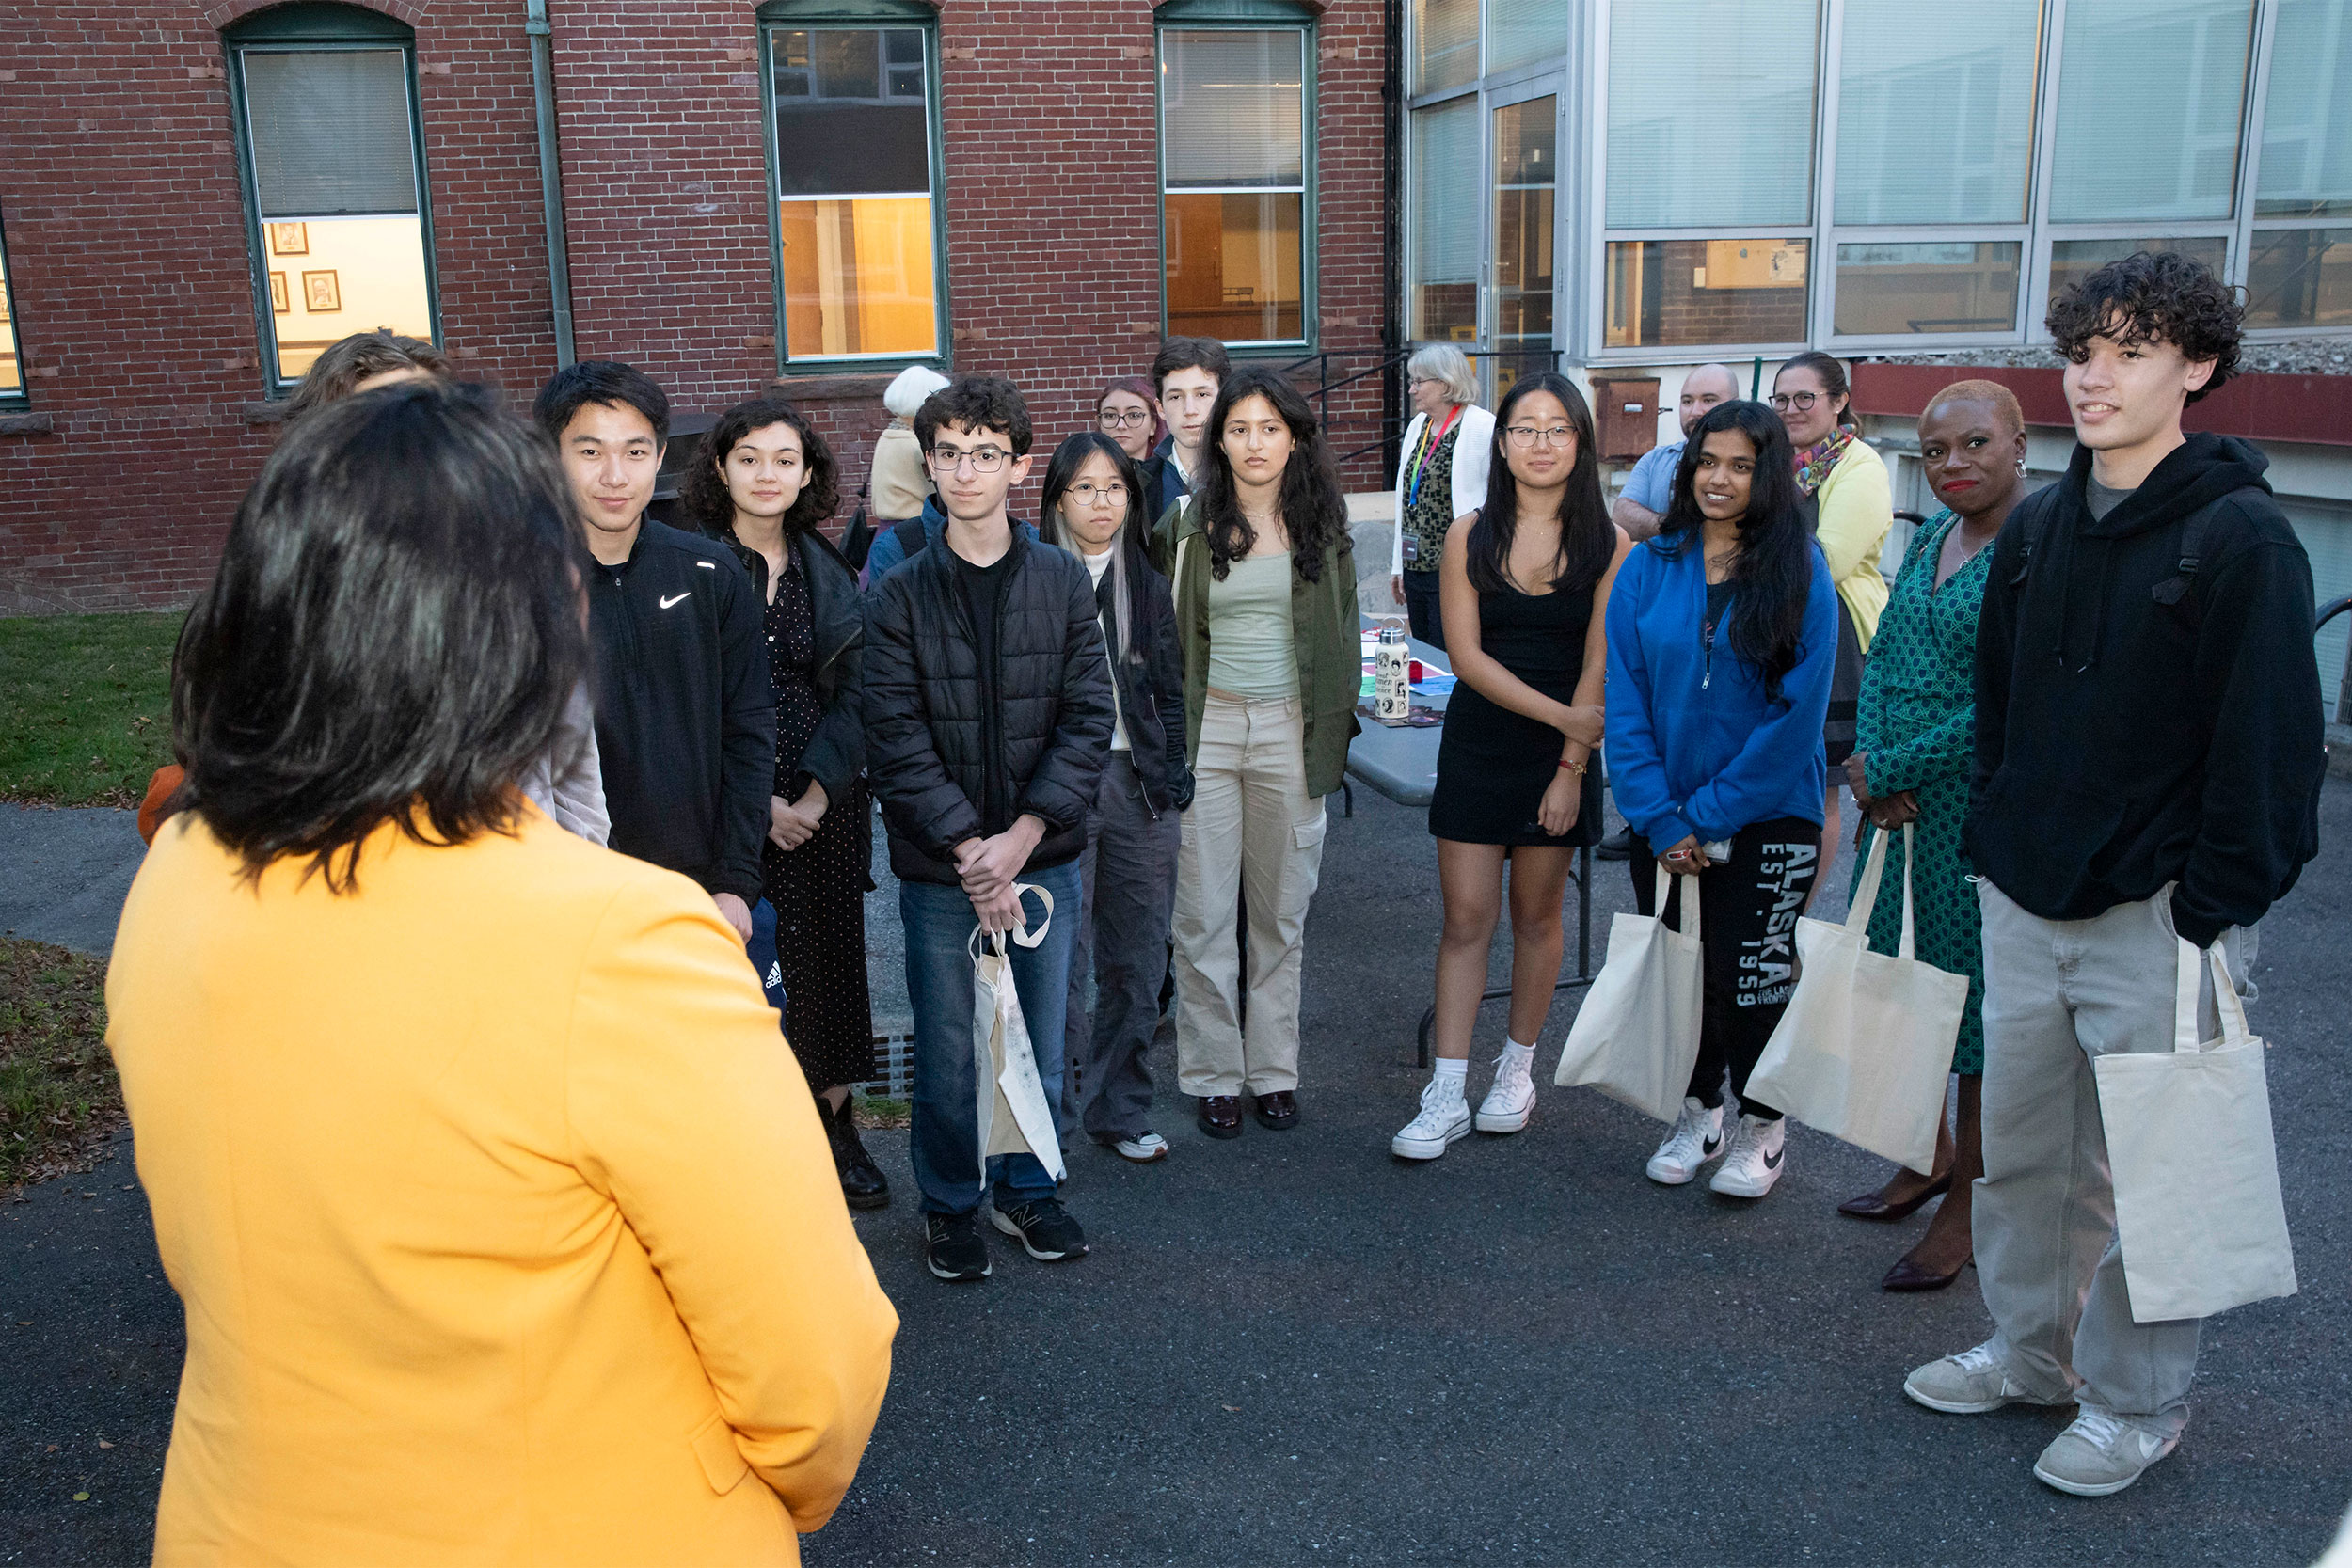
(331, 151)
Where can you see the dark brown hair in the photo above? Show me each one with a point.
(705, 495)
(345, 364)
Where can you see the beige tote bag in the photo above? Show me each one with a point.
(1014, 1117)
(2197, 1212)
(1636, 1038)
(1866, 1044)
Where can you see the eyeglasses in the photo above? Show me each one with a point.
(1113, 494)
(1801, 402)
(1132, 415)
(984, 460)
(1528, 435)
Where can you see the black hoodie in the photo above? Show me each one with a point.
(2123, 741)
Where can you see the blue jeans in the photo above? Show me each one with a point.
(946, 1136)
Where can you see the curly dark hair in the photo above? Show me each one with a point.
(2155, 297)
(976, 403)
(705, 495)
(1315, 508)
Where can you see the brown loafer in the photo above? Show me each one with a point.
(1871, 1206)
(1278, 1112)
(1220, 1115)
(1907, 1275)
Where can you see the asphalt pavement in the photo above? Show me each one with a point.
(1293, 1349)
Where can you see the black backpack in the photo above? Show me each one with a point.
(2170, 593)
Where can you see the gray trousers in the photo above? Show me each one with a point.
(2059, 993)
(1128, 880)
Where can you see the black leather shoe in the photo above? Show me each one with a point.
(1871, 1206)
(1220, 1115)
(1617, 847)
(1278, 1112)
(1907, 1275)
(862, 1184)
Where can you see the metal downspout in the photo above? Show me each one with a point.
(552, 178)
(1393, 339)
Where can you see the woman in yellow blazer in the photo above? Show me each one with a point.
(503, 1222)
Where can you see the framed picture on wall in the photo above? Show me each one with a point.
(278, 300)
(290, 239)
(321, 292)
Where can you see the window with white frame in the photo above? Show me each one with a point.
(1234, 181)
(12, 361)
(2299, 274)
(1443, 285)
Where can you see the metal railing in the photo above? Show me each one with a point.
(1387, 427)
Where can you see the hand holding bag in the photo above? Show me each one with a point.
(2197, 1211)
(1866, 1044)
(1636, 1038)
(1014, 1117)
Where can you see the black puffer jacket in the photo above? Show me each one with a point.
(931, 743)
(1151, 681)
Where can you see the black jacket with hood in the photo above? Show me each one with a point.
(2138, 724)
(1151, 678)
(836, 754)
(933, 742)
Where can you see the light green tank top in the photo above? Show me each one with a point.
(1252, 649)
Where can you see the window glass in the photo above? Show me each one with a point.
(1526, 179)
(11, 367)
(1935, 125)
(1713, 135)
(330, 133)
(854, 190)
(1949, 286)
(1445, 44)
(2306, 114)
(2072, 260)
(1520, 32)
(1676, 293)
(2149, 100)
(1445, 223)
(2299, 277)
(1234, 149)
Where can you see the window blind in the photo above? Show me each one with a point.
(2150, 100)
(1445, 44)
(1935, 125)
(330, 132)
(1712, 136)
(1520, 32)
(1445, 194)
(2307, 120)
(1232, 108)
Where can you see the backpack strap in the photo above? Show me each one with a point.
(2175, 590)
(2035, 522)
(908, 533)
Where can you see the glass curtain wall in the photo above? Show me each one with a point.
(2299, 273)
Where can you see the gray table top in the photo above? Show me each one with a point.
(1401, 763)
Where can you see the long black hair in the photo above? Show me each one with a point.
(1588, 541)
(1773, 570)
(1315, 508)
(393, 635)
(1059, 474)
(711, 505)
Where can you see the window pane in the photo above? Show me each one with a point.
(1687, 292)
(1445, 44)
(1526, 175)
(2307, 119)
(1714, 135)
(2299, 277)
(1949, 285)
(2150, 93)
(2072, 260)
(1935, 125)
(858, 276)
(1232, 108)
(329, 277)
(1233, 266)
(851, 116)
(330, 132)
(1520, 32)
(1445, 223)
(11, 371)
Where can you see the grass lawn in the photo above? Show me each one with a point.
(85, 706)
(59, 1095)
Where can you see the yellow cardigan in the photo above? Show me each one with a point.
(1857, 509)
(501, 1217)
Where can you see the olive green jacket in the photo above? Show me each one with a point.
(1323, 625)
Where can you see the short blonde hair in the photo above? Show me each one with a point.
(1443, 362)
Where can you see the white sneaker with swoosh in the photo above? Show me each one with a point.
(677, 597)
(1757, 1155)
(2100, 1455)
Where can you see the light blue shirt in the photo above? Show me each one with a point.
(1651, 484)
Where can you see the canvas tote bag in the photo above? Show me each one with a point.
(1636, 1038)
(2197, 1212)
(1014, 1117)
(1866, 1044)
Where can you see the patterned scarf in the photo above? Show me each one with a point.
(1815, 461)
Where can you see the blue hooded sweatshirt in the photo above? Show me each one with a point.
(1693, 744)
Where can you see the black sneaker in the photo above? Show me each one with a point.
(1046, 1230)
(1617, 847)
(957, 1252)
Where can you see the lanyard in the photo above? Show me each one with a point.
(1421, 455)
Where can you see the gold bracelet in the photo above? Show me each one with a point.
(1574, 770)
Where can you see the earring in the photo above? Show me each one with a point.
(2021, 468)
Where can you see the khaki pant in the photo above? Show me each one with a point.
(1253, 835)
(2059, 993)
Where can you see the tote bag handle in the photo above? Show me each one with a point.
(2225, 1000)
(1690, 926)
(1865, 893)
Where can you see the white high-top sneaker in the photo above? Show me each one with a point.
(1445, 1117)
(1697, 1138)
(1756, 1159)
(1511, 1099)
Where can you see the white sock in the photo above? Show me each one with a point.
(1450, 1077)
(1516, 1055)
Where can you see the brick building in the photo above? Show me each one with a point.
(196, 195)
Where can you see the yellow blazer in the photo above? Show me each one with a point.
(502, 1219)
(1857, 509)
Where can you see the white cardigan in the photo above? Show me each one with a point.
(1473, 447)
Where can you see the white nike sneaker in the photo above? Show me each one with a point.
(1511, 1100)
(1756, 1159)
(2100, 1455)
(1697, 1138)
(1445, 1117)
(1970, 1384)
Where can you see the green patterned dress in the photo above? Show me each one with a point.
(1918, 724)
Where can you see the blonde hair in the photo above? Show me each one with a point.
(1443, 362)
(2004, 401)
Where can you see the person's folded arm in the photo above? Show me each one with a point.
(684, 1109)
(918, 794)
(1748, 787)
(1637, 765)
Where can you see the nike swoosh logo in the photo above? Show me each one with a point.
(1712, 1145)
(667, 603)
(1772, 1161)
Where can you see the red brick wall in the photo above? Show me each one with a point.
(128, 253)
